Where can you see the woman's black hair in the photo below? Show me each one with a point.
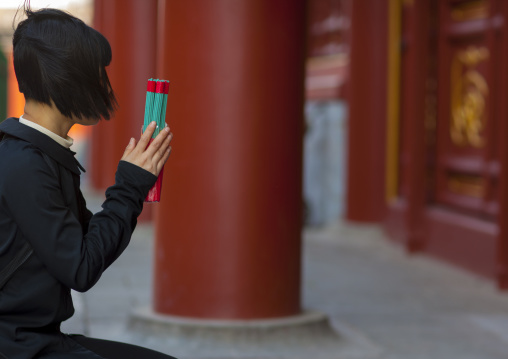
(60, 59)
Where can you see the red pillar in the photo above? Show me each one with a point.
(130, 27)
(229, 224)
(502, 235)
(367, 111)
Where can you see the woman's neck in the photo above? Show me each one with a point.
(48, 117)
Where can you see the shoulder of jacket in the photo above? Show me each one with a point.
(16, 154)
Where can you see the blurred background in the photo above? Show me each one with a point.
(301, 114)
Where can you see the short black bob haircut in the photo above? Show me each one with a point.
(60, 59)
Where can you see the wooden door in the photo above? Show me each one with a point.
(462, 215)
(453, 125)
(467, 167)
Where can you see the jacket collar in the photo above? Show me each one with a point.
(62, 155)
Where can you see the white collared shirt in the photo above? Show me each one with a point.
(66, 142)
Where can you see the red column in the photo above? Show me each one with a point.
(228, 226)
(502, 235)
(98, 139)
(367, 111)
(130, 27)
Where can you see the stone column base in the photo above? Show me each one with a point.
(308, 335)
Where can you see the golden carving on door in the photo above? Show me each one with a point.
(470, 10)
(468, 97)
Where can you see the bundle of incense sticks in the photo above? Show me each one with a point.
(155, 110)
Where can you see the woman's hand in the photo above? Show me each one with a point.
(153, 157)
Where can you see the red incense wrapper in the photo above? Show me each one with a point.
(154, 195)
(150, 86)
(159, 87)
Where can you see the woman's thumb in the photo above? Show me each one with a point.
(130, 147)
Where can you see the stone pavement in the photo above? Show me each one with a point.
(382, 303)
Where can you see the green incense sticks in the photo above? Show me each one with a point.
(155, 105)
(155, 110)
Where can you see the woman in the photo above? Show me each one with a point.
(49, 242)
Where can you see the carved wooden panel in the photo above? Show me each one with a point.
(466, 167)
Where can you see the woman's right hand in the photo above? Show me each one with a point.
(151, 158)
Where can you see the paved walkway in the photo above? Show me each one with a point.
(382, 302)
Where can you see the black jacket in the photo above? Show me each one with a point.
(71, 246)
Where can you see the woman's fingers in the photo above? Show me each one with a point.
(163, 147)
(164, 158)
(158, 143)
(149, 157)
(146, 136)
(162, 154)
(130, 147)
